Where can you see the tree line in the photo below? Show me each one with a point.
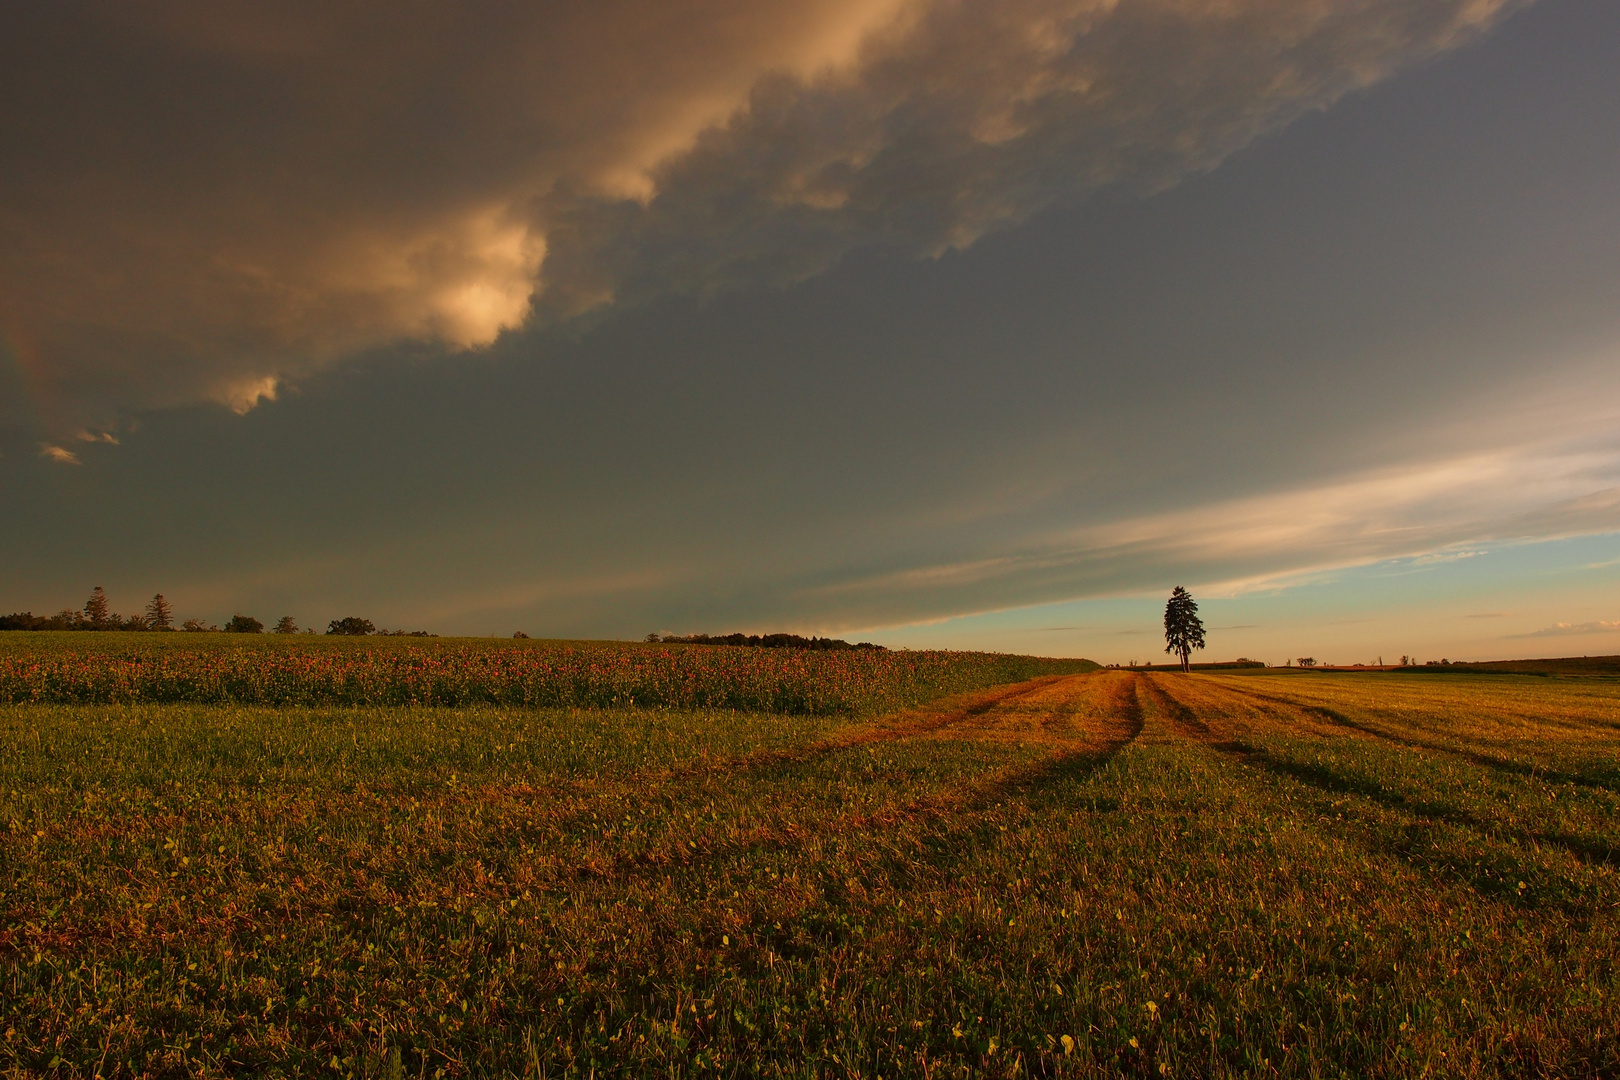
(762, 641)
(158, 615)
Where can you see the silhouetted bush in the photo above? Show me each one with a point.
(351, 626)
(27, 620)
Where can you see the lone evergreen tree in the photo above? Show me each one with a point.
(1183, 629)
(95, 609)
(159, 615)
(286, 625)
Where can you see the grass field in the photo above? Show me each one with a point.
(1097, 874)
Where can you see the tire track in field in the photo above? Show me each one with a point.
(1413, 844)
(931, 828)
(915, 836)
(646, 785)
(563, 809)
(1131, 710)
(1072, 760)
(1324, 779)
(1186, 722)
(905, 725)
(918, 844)
(899, 726)
(933, 724)
(1072, 756)
(1334, 718)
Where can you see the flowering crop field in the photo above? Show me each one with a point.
(1110, 873)
(233, 669)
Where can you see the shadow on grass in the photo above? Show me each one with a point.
(1180, 716)
(1417, 846)
(1495, 872)
(958, 810)
(1600, 779)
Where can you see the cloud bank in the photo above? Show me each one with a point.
(204, 201)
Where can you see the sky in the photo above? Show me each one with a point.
(937, 323)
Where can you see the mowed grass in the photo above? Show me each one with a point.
(1100, 874)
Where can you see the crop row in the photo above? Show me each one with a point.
(586, 676)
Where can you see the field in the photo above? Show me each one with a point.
(221, 669)
(1106, 873)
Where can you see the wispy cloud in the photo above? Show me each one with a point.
(59, 454)
(1439, 511)
(1575, 629)
(1435, 557)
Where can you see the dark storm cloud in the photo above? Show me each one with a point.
(967, 117)
(198, 198)
(201, 201)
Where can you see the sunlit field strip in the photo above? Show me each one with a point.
(1531, 839)
(1521, 717)
(1553, 772)
(1101, 875)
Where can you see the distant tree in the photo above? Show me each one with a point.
(159, 615)
(1306, 661)
(1183, 629)
(351, 626)
(764, 641)
(286, 625)
(27, 620)
(96, 612)
(244, 624)
(197, 626)
(520, 634)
